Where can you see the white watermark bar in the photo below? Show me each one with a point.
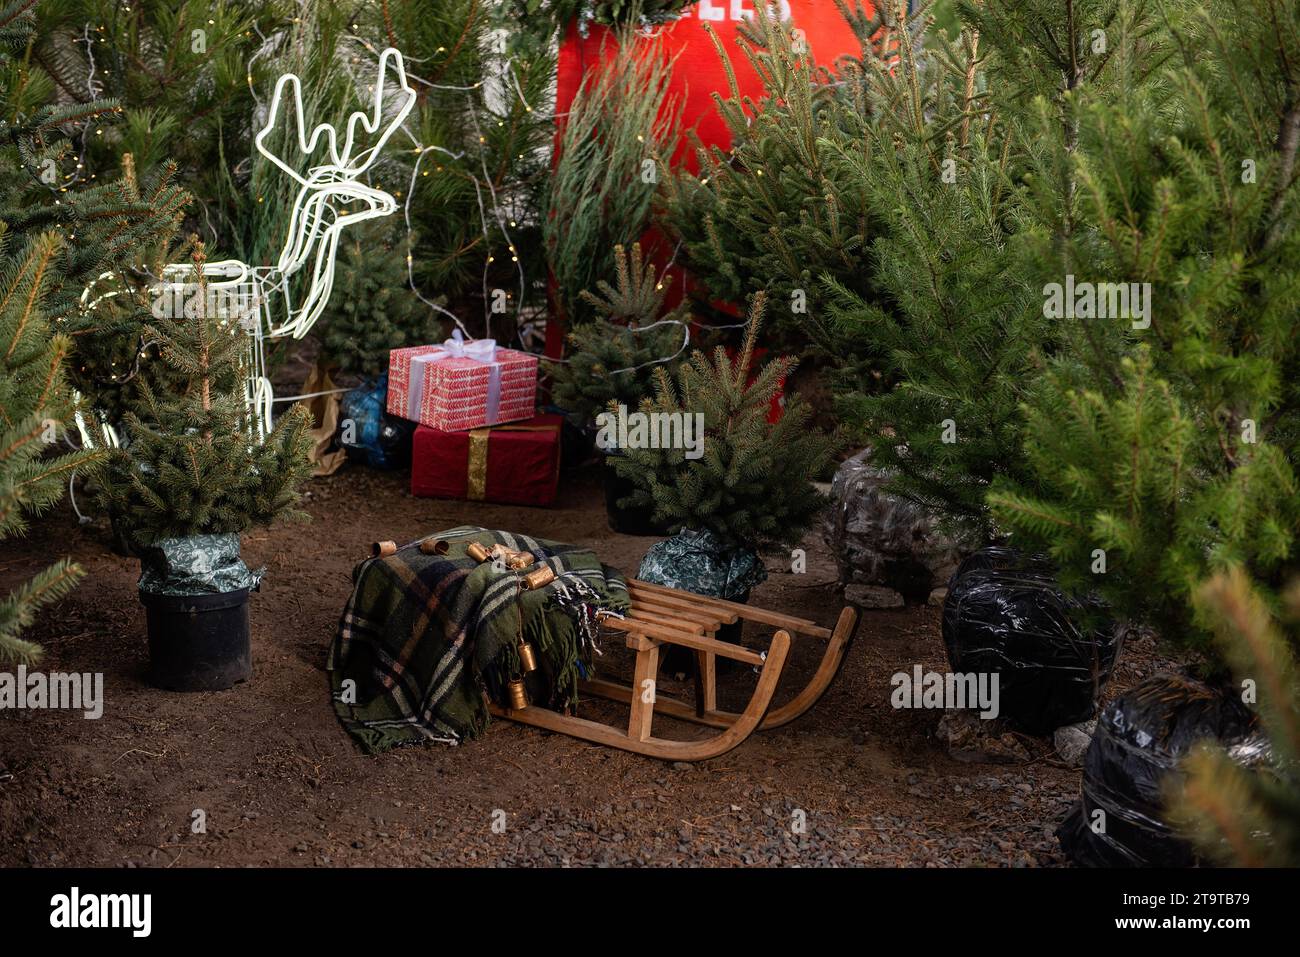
(56, 690)
(651, 430)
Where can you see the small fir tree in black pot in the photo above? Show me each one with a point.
(189, 480)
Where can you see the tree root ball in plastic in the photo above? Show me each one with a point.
(1053, 652)
(1119, 819)
(881, 539)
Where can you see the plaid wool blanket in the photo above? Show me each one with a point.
(424, 637)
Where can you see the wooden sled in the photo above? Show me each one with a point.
(666, 616)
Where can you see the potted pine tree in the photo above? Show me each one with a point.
(611, 362)
(747, 487)
(188, 480)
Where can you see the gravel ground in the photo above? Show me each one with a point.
(277, 781)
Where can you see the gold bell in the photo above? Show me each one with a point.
(383, 549)
(518, 695)
(514, 560)
(527, 657)
(540, 578)
(477, 552)
(433, 546)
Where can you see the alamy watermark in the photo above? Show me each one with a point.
(946, 691)
(76, 910)
(188, 300)
(1102, 300)
(70, 691)
(651, 430)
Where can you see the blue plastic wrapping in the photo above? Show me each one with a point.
(368, 433)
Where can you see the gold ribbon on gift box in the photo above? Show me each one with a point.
(478, 449)
(476, 486)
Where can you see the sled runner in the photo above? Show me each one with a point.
(662, 616)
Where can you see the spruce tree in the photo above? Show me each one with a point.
(773, 212)
(191, 466)
(134, 226)
(196, 77)
(752, 485)
(620, 126)
(613, 359)
(371, 309)
(1249, 818)
(951, 318)
(111, 227)
(186, 74)
(976, 137)
(55, 234)
(34, 411)
(1163, 440)
(610, 13)
(484, 117)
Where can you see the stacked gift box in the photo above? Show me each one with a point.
(515, 464)
(459, 385)
(479, 436)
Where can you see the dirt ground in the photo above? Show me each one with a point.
(280, 783)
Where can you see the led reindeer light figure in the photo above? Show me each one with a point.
(315, 222)
(261, 298)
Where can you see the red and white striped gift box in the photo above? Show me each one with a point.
(435, 387)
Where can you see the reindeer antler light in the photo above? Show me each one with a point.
(314, 224)
(343, 161)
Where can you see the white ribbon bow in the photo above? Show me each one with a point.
(480, 350)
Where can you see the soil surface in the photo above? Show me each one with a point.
(278, 782)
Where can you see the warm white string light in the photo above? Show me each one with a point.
(421, 150)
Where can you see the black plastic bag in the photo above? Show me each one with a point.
(1141, 737)
(1053, 652)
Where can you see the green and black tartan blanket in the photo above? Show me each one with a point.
(423, 637)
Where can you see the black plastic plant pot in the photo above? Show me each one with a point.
(678, 660)
(577, 444)
(733, 631)
(625, 521)
(198, 642)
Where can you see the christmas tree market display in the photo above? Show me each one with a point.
(901, 398)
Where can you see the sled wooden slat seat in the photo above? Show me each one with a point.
(795, 625)
(683, 606)
(661, 616)
(708, 621)
(658, 616)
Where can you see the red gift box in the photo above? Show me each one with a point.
(462, 385)
(515, 464)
